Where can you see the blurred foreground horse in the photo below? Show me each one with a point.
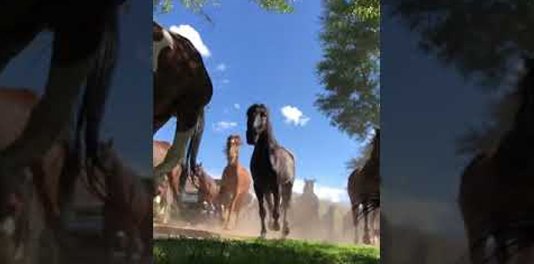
(83, 53)
(496, 195)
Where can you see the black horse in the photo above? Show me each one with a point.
(83, 53)
(495, 197)
(272, 167)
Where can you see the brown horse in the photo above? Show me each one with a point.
(83, 53)
(208, 189)
(496, 195)
(364, 189)
(182, 88)
(235, 183)
(272, 167)
(171, 195)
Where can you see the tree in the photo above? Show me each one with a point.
(165, 6)
(349, 69)
(479, 37)
(358, 162)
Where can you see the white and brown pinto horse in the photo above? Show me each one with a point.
(83, 53)
(182, 89)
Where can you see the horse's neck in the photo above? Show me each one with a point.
(232, 158)
(515, 150)
(266, 140)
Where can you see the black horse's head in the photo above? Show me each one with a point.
(15, 199)
(257, 122)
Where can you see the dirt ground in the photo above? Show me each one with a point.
(249, 227)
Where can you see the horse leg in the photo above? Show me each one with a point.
(261, 206)
(52, 113)
(269, 200)
(366, 237)
(476, 247)
(286, 200)
(231, 209)
(374, 231)
(176, 153)
(276, 211)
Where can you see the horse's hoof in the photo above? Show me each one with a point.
(262, 235)
(276, 226)
(285, 232)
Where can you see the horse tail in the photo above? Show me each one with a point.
(94, 98)
(99, 80)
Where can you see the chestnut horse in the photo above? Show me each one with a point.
(496, 195)
(235, 183)
(83, 53)
(182, 88)
(272, 167)
(364, 189)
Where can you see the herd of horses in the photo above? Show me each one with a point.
(38, 154)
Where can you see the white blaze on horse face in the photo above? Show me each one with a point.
(8, 226)
(257, 122)
(157, 46)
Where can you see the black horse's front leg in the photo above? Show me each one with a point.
(261, 205)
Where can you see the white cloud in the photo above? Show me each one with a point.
(221, 67)
(331, 194)
(224, 125)
(192, 34)
(237, 106)
(294, 116)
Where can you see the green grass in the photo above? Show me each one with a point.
(197, 251)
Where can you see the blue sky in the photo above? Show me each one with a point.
(254, 56)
